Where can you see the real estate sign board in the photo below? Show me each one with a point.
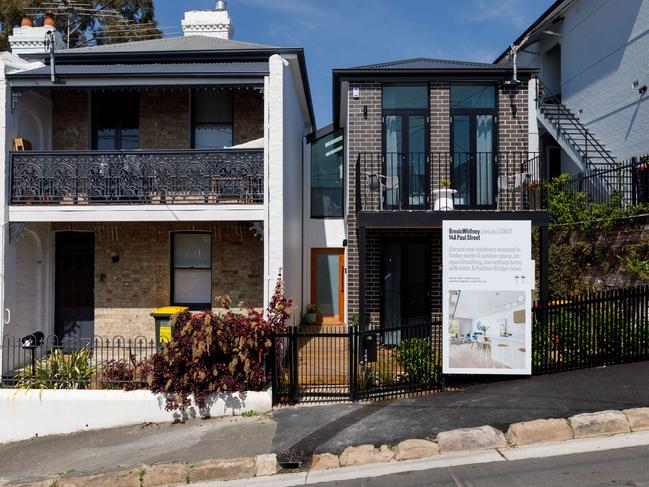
(488, 277)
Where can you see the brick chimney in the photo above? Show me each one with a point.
(27, 40)
(210, 23)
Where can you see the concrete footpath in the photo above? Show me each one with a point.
(306, 430)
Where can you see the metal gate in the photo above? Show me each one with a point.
(343, 363)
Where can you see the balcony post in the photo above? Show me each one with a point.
(362, 240)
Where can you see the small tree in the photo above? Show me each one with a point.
(212, 353)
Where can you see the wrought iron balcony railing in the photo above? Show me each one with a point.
(442, 181)
(137, 177)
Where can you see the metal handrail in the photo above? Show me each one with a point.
(547, 95)
(137, 177)
(499, 180)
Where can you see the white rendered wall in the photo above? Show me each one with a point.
(29, 413)
(293, 139)
(4, 150)
(32, 120)
(29, 273)
(604, 46)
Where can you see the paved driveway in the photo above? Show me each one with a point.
(332, 428)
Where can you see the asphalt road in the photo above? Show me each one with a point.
(622, 467)
(334, 427)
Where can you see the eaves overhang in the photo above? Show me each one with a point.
(488, 73)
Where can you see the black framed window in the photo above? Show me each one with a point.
(473, 96)
(403, 96)
(327, 178)
(115, 120)
(191, 263)
(406, 134)
(474, 168)
(212, 118)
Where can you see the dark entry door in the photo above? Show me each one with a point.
(405, 286)
(75, 285)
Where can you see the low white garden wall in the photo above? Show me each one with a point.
(29, 413)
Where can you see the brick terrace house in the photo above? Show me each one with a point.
(419, 134)
(148, 174)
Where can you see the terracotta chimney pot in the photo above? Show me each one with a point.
(49, 19)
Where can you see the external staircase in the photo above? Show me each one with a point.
(573, 137)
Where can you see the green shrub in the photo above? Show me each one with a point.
(420, 364)
(214, 353)
(59, 371)
(637, 266)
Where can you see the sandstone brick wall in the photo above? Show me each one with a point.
(70, 120)
(127, 291)
(248, 113)
(365, 136)
(165, 119)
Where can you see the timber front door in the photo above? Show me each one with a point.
(75, 285)
(327, 285)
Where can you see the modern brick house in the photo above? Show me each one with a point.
(148, 174)
(428, 140)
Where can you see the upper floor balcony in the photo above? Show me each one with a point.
(448, 181)
(162, 177)
(140, 151)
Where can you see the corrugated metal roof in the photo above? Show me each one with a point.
(171, 44)
(427, 64)
(171, 69)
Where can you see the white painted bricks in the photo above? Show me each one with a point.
(49, 412)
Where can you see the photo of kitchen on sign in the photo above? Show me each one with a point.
(487, 331)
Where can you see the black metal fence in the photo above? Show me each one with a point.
(627, 184)
(349, 363)
(137, 177)
(312, 364)
(589, 331)
(38, 361)
(439, 181)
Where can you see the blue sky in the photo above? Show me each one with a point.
(346, 33)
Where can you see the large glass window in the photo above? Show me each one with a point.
(327, 182)
(212, 118)
(473, 96)
(405, 96)
(192, 270)
(115, 120)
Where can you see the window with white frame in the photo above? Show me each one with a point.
(191, 261)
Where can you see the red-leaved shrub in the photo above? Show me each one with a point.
(212, 353)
